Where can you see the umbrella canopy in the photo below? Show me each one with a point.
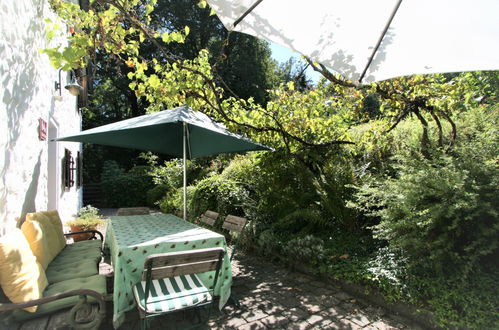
(368, 41)
(179, 132)
(163, 131)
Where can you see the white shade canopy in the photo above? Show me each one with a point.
(424, 36)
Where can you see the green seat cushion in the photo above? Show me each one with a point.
(96, 283)
(93, 246)
(74, 253)
(72, 269)
(96, 243)
(169, 294)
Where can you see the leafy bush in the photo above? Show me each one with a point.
(438, 215)
(459, 302)
(307, 249)
(173, 201)
(388, 271)
(278, 184)
(122, 189)
(155, 194)
(302, 221)
(442, 212)
(269, 243)
(218, 194)
(171, 172)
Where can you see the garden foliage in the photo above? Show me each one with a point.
(392, 185)
(125, 189)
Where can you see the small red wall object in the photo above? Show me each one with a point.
(42, 129)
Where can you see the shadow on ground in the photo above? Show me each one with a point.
(272, 297)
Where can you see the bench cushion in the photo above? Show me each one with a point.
(22, 278)
(72, 269)
(54, 218)
(38, 243)
(84, 250)
(96, 283)
(50, 233)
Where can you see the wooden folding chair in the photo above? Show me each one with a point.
(234, 225)
(170, 284)
(209, 218)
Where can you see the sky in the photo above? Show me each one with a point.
(282, 54)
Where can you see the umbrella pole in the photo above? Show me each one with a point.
(185, 169)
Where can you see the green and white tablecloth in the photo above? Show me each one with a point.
(132, 238)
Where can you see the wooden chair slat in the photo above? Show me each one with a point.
(207, 220)
(182, 257)
(192, 268)
(233, 223)
(209, 217)
(211, 214)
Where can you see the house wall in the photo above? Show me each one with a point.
(27, 94)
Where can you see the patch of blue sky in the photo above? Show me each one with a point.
(282, 54)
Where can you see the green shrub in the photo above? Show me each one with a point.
(279, 185)
(171, 173)
(155, 194)
(307, 249)
(459, 302)
(124, 189)
(442, 212)
(303, 221)
(218, 194)
(388, 271)
(173, 202)
(269, 243)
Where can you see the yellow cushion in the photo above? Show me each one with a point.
(22, 278)
(50, 233)
(57, 224)
(37, 241)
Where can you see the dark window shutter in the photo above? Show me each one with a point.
(79, 170)
(68, 170)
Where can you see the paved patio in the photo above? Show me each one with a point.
(272, 297)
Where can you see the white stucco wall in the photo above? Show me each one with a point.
(27, 94)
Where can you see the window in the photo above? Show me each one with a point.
(68, 170)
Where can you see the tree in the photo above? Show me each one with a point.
(247, 68)
(247, 72)
(119, 28)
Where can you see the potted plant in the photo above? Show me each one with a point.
(88, 218)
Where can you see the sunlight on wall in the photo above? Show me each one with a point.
(26, 94)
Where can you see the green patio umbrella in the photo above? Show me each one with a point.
(180, 132)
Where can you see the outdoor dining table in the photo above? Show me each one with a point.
(131, 239)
